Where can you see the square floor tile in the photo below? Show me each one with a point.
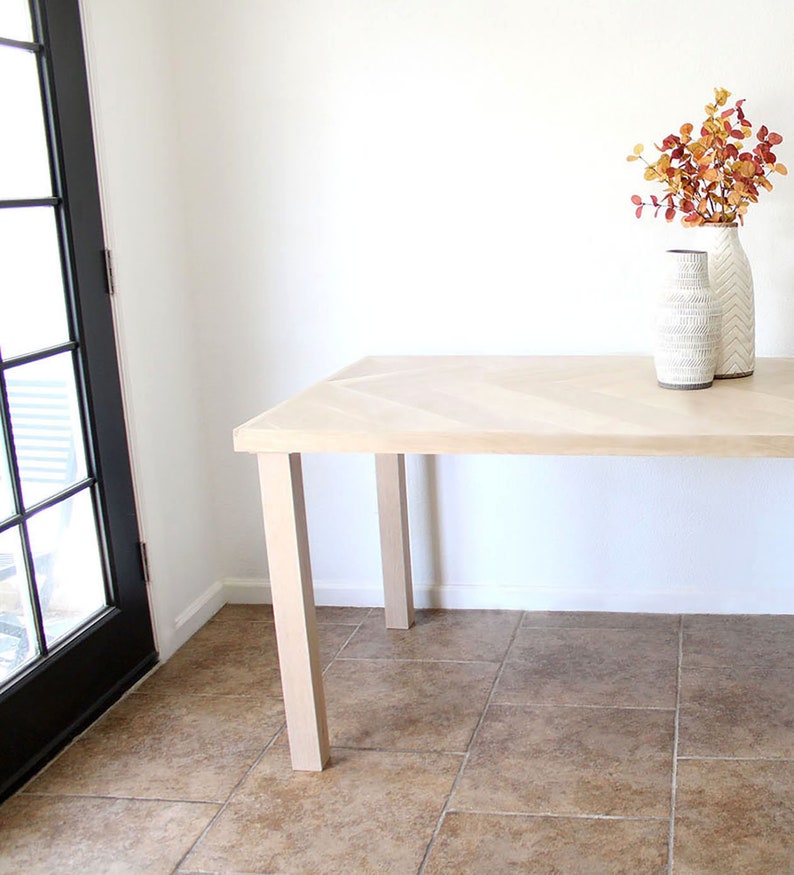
(471, 844)
(468, 635)
(737, 711)
(367, 812)
(234, 659)
(591, 667)
(165, 747)
(42, 835)
(550, 760)
(734, 817)
(715, 640)
(389, 704)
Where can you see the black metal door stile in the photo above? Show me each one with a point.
(74, 679)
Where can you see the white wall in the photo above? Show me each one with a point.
(129, 56)
(375, 176)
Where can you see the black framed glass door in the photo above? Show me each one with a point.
(75, 630)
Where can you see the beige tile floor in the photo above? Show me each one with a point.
(478, 742)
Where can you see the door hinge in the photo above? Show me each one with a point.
(144, 561)
(109, 271)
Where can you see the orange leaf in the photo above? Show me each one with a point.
(781, 169)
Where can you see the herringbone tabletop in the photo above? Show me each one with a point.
(569, 405)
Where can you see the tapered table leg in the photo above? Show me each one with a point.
(394, 542)
(287, 541)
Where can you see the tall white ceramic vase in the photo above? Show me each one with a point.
(732, 283)
(688, 324)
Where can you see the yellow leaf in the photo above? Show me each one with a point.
(711, 175)
(638, 149)
(632, 157)
(710, 108)
(686, 129)
(734, 198)
(721, 95)
(650, 173)
(781, 169)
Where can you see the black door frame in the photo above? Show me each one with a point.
(58, 697)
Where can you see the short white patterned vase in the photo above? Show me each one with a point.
(732, 283)
(688, 324)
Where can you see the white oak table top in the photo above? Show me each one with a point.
(555, 405)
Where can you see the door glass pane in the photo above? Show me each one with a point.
(24, 163)
(18, 644)
(65, 547)
(32, 301)
(15, 20)
(6, 496)
(45, 426)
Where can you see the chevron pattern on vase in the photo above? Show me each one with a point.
(732, 282)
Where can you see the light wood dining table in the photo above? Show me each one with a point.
(390, 406)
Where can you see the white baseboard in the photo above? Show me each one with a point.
(195, 615)
(769, 600)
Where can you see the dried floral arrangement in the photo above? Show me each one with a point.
(714, 178)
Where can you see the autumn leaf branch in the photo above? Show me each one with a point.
(709, 179)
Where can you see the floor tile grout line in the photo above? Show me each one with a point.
(575, 705)
(472, 740)
(674, 780)
(725, 759)
(282, 729)
(558, 815)
(412, 750)
(593, 628)
(420, 659)
(635, 630)
(229, 798)
(41, 794)
(346, 642)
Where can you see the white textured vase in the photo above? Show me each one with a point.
(732, 283)
(688, 324)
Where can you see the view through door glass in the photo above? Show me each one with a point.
(73, 605)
